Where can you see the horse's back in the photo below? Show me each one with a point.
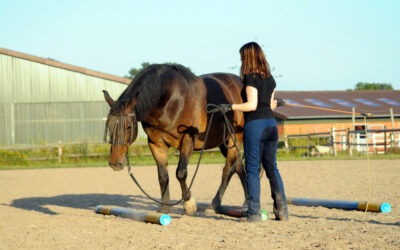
(222, 88)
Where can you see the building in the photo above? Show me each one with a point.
(43, 100)
(302, 120)
(332, 112)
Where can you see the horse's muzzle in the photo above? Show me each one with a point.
(116, 166)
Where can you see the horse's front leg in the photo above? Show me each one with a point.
(160, 153)
(185, 150)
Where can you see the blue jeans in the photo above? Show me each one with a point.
(260, 145)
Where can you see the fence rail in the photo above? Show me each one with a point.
(59, 147)
(348, 140)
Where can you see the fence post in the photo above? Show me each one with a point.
(384, 138)
(286, 141)
(309, 144)
(343, 142)
(392, 142)
(374, 143)
(353, 123)
(59, 151)
(348, 142)
(334, 141)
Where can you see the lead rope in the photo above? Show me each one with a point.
(231, 134)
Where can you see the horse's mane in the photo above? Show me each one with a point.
(148, 86)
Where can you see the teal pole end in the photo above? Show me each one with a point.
(165, 219)
(385, 208)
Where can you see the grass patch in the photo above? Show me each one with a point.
(208, 158)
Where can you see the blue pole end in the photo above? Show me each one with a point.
(98, 209)
(385, 208)
(165, 219)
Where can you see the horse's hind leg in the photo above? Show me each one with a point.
(240, 170)
(233, 164)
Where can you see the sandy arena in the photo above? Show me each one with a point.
(54, 209)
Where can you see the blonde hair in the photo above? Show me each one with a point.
(253, 60)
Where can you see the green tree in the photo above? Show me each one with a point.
(134, 71)
(373, 86)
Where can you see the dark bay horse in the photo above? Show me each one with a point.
(170, 102)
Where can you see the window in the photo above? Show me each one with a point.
(367, 102)
(343, 102)
(318, 103)
(288, 101)
(389, 101)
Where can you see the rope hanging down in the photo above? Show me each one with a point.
(210, 109)
(368, 163)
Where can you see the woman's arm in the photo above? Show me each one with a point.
(273, 102)
(252, 101)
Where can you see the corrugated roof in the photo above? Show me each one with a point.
(64, 66)
(377, 102)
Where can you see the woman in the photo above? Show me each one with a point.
(260, 130)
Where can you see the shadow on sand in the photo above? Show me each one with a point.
(89, 202)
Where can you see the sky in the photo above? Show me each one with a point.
(310, 44)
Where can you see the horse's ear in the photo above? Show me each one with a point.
(108, 98)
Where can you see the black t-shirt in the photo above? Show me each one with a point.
(265, 87)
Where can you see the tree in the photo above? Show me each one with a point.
(373, 86)
(134, 71)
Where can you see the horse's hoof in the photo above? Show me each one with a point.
(216, 206)
(190, 207)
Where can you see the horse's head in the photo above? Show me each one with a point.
(122, 128)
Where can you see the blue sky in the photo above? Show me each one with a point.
(311, 44)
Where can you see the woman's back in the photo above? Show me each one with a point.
(265, 87)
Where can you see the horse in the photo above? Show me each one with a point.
(170, 102)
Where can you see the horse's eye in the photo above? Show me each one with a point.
(129, 127)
